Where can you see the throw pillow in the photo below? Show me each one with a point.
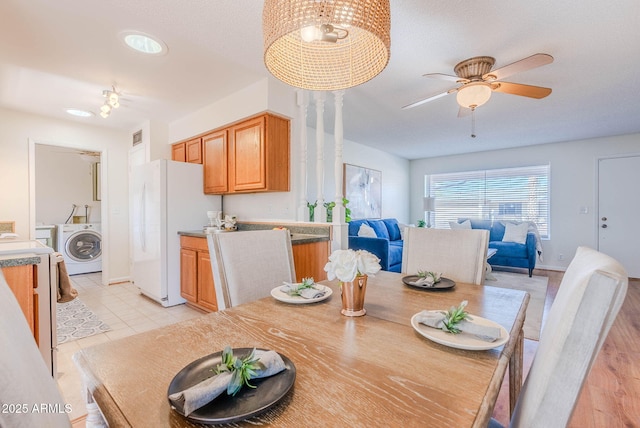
(464, 225)
(367, 231)
(515, 232)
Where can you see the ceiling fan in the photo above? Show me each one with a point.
(478, 81)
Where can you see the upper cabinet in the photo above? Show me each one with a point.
(214, 147)
(194, 150)
(187, 151)
(249, 156)
(178, 152)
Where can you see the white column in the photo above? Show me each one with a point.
(340, 228)
(320, 213)
(303, 211)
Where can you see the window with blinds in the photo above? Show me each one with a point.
(519, 194)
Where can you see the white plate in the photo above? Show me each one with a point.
(298, 300)
(461, 340)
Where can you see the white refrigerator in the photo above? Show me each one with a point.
(165, 197)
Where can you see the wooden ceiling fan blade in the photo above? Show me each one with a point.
(443, 76)
(426, 100)
(533, 61)
(522, 90)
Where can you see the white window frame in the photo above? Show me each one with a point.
(505, 194)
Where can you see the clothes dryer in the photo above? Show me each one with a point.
(81, 247)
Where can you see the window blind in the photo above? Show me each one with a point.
(518, 194)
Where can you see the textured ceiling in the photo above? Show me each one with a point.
(55, 55)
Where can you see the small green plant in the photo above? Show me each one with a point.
(329, 206)
(434, 275)
(421, 223)
(243, 369)
(312, 208)
(306, 283)
(347, 211)
(454, 316)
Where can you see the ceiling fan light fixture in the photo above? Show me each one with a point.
(474, 94)
(326, 45)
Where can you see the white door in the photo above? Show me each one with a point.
(618, 209)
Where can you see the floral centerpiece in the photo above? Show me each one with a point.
(351, 268)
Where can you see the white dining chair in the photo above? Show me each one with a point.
(588, 300)
(25, 382)
(248, 265)
(459, 254)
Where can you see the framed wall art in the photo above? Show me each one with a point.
(363, 189)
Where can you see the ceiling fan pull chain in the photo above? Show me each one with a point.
(473, 123)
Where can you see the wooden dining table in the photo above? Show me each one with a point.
(368, 371)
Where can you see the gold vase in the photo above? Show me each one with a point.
(353, 296)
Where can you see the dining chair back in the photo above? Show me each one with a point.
(458, 254)
(247, 265)
(25, 382)
(588, 300)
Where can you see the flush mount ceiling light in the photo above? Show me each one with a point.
(78, 112)
(326, 45)
(144, 43)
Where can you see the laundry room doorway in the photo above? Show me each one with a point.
(67, 204)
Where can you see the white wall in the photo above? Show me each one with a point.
(573, 185)
(19, 129)
(63, 179)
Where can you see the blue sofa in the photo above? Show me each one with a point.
(387, 245)
(510, 254)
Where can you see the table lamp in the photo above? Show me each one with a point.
(429, 207)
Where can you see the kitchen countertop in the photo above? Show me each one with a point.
(18, 253)
(19, 260)
(296, 238)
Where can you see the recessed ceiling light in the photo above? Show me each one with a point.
(144, 43)
(79, 113)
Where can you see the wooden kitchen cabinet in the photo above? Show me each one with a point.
(247, 157)
(309, 260)
(22, 281)
(259, 155)
(196, 276)
(214, 147)
(187, 151)
(179, 152)
(193, 148)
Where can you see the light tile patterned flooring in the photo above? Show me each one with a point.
(126, 311)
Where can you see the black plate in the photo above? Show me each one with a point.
(246, 403)
(443, 284)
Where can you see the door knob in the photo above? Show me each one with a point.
(604, 219)
(604, 226)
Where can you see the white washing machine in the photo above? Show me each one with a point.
(81, 246)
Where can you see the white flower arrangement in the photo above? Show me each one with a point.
(347, 264)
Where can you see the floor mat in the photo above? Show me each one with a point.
(75, 321)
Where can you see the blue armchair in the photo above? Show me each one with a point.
(387, 245)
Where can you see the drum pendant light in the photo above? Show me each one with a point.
(326, 45)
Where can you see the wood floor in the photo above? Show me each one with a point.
(611, 395)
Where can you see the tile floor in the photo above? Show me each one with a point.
(126, 311)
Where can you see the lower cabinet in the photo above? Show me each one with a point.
(310, 259)
(22, 282)
(196, 276)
